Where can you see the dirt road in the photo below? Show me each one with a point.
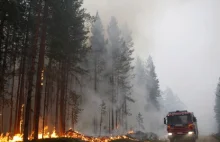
(206, 139)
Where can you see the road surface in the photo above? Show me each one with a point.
(206, 139)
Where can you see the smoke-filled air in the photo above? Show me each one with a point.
(110, 70)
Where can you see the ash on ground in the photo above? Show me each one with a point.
(143, 136)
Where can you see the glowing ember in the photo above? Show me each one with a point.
(16, 138)
(40, 136)
(130, 132)
(3, 138)
(76, 134)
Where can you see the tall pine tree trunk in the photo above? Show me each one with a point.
(21, 94)
(49, 98)
(31, 74)
(12, 95)
(66, 97)
(109, 120)
(4, 67)
(18, 95)
(61, 117)
(40, 73)
(1, 37)
(45, 105)
(62, 99)
(14, 57)
(100, 127)
(95, 125)
(113, 118)
(73, 121)
(95, 77)
(57, 104)
(126, 113)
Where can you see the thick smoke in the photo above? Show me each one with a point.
(181, 35)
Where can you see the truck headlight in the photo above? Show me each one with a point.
(190, 133)
(170, 134)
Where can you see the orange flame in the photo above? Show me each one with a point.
(54, 135)
(130, 132)
(70, 134)
(16, 138)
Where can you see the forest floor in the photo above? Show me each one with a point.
(78, 140)
(201, 139)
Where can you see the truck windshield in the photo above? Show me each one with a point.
(179, 119)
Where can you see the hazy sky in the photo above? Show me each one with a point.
(183, 38)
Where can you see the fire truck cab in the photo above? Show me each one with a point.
(181, 125)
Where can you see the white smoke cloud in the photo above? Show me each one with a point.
(183, 38)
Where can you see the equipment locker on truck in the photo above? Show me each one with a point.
(181, 125)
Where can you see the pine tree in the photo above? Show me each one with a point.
(115, 43)
(75, 105)
(127, 36)
(59, 27)
(140, 121)
(67, 48)
(172, 101)
(16, 26)
(40, 70)
(120, 51)
(98, 51)
(31, 72)
(114, 35)
(152, 86)
(217, 106)
(8, 30)
(102, 113)
(43, 46)
(125, 78)
(140, 74)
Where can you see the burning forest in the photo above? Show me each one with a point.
(60, 69)
(69, 134)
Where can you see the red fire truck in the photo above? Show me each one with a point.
(181, 125)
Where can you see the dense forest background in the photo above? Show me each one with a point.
(59, 68)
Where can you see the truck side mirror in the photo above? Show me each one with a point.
(194, 119)
(164, 120)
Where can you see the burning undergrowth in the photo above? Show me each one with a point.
(69, 134)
